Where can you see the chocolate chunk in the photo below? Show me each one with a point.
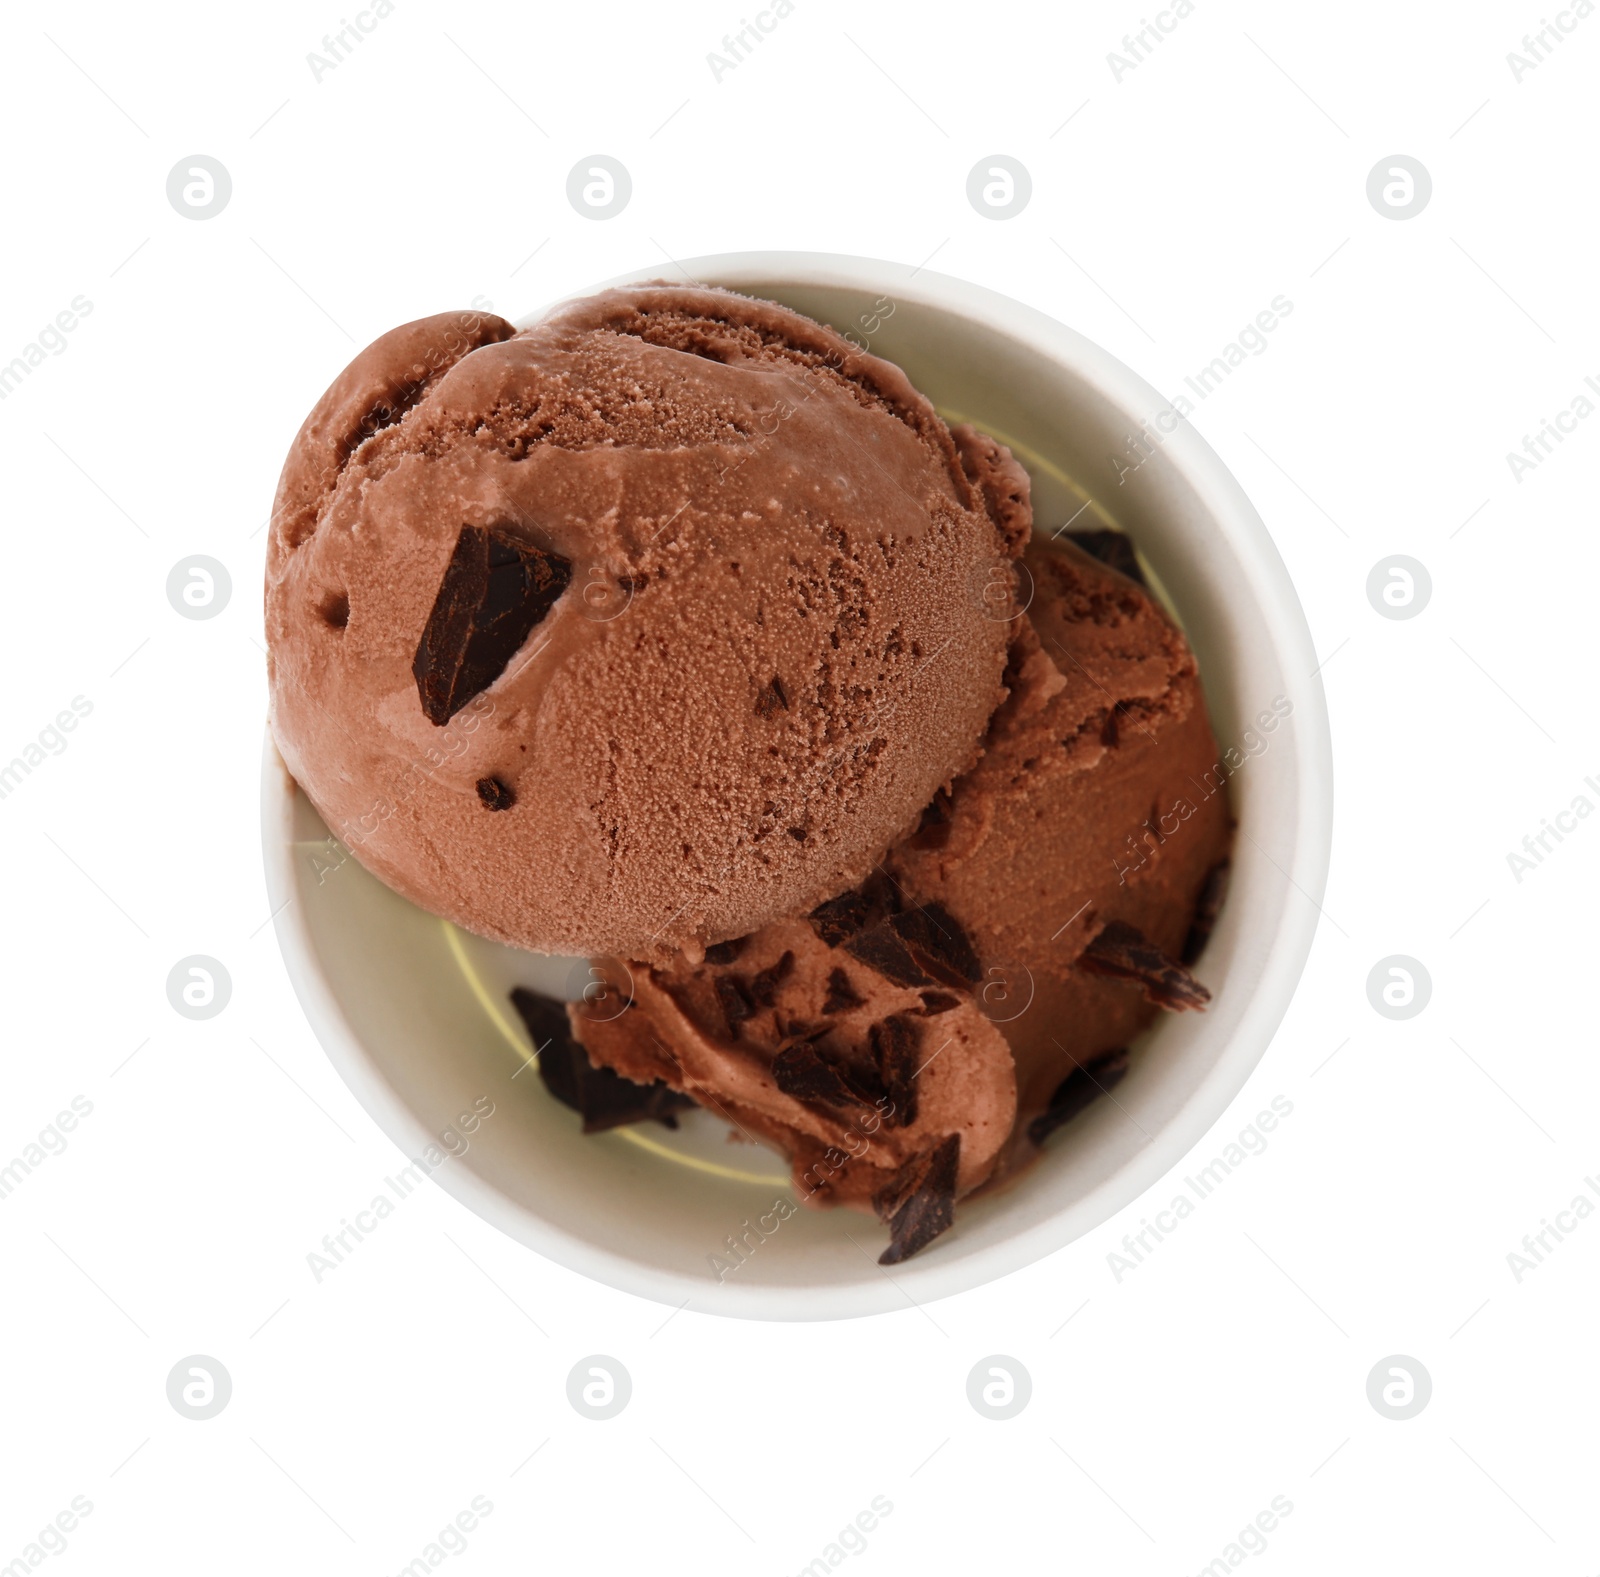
(919, 947)
(1112, 548)
(839, 918)
(800, 1071)
(772, 699)
(551, 1032)
(495, 589)
(1081, 1088)
(725, 952)
(933, 831)
(764, 986)
(1120, 952)
(335, 610)
(841, 994)
(922, 1199)
(1112, 730)
(938, 1002)
(495, 794)
(895, 1043)
(883, 948)
(939, 944)
(1212, 893)
(603, 1099)
(736, 1004)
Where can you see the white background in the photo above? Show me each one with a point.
(1168, 208)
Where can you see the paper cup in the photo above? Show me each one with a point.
(414, 1014)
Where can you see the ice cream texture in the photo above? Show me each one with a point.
(678, 632)
(992, 973)
(633, 631)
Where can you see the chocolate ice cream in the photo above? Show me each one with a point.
(677, 631)
(639, 629)
(1097, 803)
(1035, 922)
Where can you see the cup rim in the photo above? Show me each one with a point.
(1278, 607)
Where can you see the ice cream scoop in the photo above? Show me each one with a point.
(1039, 917)
(1099, 801)
(642, 628)
(858, 1075)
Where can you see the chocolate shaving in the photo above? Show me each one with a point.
(939, 1002)
(736, 1004)
(939, 944)
(495, 794)
(335, 610)
(603, 1098)
(1120, 952)
(922, 1199)
(1209, 905)
(1112, 549)
(839, 918)
(764, 986)
(882, 948)
(725, 952)
(496, 587)
(772, 699)
(1081, 1088)
(841, 994)
(799, 1071)
(919, 947)
(933, 831)
(895, 1043)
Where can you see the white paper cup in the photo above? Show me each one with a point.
(415, 1016)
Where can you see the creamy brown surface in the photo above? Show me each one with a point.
(679, 1030)
(1090, 804)
(743, 498)
(1101, 747)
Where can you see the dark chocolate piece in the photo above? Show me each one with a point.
(839, 918)
(603, 1099)
(1112, 548)
(496, 587)
(938, 1002)
(800, 1072)
(841, 994)
(736, 1004)
(933, 831)
(1212, 893)
(939, 944)
(335, 610)
(495, 794)
(1121, 952)
(725, 952)
(919, 947)
(772, 699)
(764, 985)
(883, 948)
(1112, 730)
(895, 1043)
(922, 1199)
(1081, 1088)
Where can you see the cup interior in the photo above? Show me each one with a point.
(415, 1013)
